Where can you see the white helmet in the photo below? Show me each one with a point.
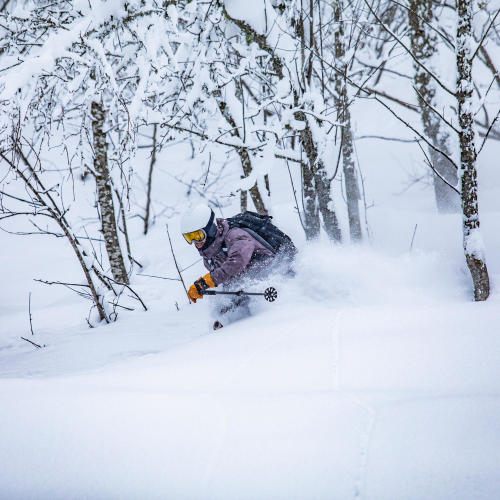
(201, 217)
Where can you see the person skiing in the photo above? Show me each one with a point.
(230, 254)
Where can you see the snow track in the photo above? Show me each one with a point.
(294, 403)
(365, 436)
(364, 450)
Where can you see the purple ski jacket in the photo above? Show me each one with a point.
(231, 252)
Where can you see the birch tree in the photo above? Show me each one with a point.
(78, 73)
(105, 194)
(472, 240)
(73, 75)
(289, 41)
(344, 118)
(424, 45)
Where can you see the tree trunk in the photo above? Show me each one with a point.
(325, 202)
(472, 241)
(246, 160)
(344, 118)
(424, 46)
(243, 200)
(350, 178)
(105, 195)
(317, 199)
(315, 182)
(315, 187)
(246, 163)
(150, 181)
(310, 208)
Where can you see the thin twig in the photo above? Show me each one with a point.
(341, 147)
(488, 132)
(295, 196)
(69, 286)
(417, 61)
(193, 264)
(208, 169)
(123, 307)
(125, 230)
(176, 265)
(489, 63)
(159, 277)
(414, 130)
(59, 283)
(381, 137)
(431, 166)
(2, 7)
(413, 237)
(372, 90)
(280, 156)
(429, 105)
(34, 343)
(442, 35)
(480, 44)
(130, 289)
(29, 310)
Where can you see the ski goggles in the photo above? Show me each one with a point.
(197, 236)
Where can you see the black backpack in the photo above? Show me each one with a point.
(264, 231)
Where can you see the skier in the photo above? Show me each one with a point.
(231, 254)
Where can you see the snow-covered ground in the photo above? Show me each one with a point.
(374, 375)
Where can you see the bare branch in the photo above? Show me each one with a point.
(29, 312)
(442, 35)
(414, 130)
(159, 277)
(381, 137)
(485, 35)
(33, 343)
(488, 132)
(432, 108)
(431, 166)
(176, 265)
(386, 28)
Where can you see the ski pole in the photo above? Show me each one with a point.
(270, 293)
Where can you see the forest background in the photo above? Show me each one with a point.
(369, 130)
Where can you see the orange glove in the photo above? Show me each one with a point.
(199, 286)
(193, 294)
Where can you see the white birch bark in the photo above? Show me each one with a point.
(284, 50)
(344, 118)
(424, 47)
(472, 241)
(105, 195)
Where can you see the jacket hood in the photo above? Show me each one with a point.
(215, 246)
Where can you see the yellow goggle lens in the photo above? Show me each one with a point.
(194, 236)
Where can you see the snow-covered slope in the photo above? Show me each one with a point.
(374, 375)
(375, 381)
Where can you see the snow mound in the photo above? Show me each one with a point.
(361, 276)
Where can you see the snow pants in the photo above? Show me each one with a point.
(229, 308)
